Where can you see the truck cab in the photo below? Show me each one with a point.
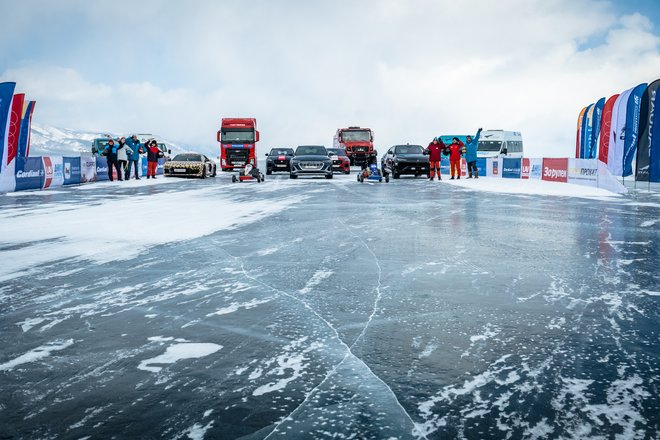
(358, 143)
(499, 143)
(238, 138)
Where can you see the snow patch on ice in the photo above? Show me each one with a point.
(233, 307)
(36, 354)
(29, 323)
(316, 279)
(197, 431)
(177, 352)
(269, 251)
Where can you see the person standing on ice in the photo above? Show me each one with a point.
(153, 153)
(123, 152)
(471, 154)
(434, 149)
(133, 158)
(110, 152)
(455, 150)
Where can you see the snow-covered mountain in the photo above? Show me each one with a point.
(46, 140)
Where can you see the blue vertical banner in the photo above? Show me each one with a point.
(654, 148)
(24, 135)
(72, 170)
(6, 96)
(29, 173)
(595, 132)
(586, 130)
(632, 127)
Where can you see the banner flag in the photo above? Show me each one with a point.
(578, 138)
(13, 127)
(606, 128)
(595, 133)
(586, 130)
(632, 128)
(6, 95)
(645, 132)
(26, 123)
(615, 154)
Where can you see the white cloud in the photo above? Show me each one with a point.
(408, 69)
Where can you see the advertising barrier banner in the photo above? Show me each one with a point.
(29, 173)
(87, 169)
(161, 166)
(143, 166)
(53, 171)
(524, 168)
(494, 167)
(444, 165)
(511, 168)
(481, 167)
(72, 170)
(583, 171)
(555, 169)
(535, 168)
(102, 169)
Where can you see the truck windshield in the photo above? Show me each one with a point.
(237, 136)
(356, 136)
(490, 146)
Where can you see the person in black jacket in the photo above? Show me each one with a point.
(110, 152)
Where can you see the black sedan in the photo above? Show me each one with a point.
(278, 160)
(190, 165)
(406, 159)
(311, 160)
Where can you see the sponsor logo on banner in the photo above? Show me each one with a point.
(48, 171)
(29, 173)
(72, 170)
(511, 168)
(524, 173)
(67, 170)
(87, 169)
(555, 170)
(582, 169)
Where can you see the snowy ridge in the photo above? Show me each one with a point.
(53, 141)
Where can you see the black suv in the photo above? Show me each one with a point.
(279, 159)
(406, 159)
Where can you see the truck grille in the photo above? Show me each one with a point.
(237, 156)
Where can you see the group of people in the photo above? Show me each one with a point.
(454, 150)
(124, 154)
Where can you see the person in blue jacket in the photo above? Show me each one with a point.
(471, 154)
(110, 152)
(134, 158)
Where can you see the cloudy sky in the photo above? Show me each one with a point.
(409, 69)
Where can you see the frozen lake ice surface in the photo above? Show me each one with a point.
(316, 308)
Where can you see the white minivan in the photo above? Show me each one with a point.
(498, 143)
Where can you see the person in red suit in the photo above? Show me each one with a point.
(153, 153)
(434, 150)
(455, 150)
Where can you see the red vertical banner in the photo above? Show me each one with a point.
(606, 129)
(524, 171)
(48, 171)
(14, 126)
(555, 170)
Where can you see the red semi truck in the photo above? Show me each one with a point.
(358, 143)
(238, 138)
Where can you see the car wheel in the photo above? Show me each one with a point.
(269, 172)
(395, 175)
(233, 179)
(387, 179)
(293, 176)
(215, 171)
(329, 176)
(262, 177)
(203, 176)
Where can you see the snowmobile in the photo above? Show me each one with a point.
(373, 174)
(248, 173)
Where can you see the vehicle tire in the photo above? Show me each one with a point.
(380, 180)
(269, 172)
(233, 179)
(262, 177)
(387, 179)
(203, 176)
(215, 172)
(293, 176)
(329, 176)
(348, 171)
(395, 175)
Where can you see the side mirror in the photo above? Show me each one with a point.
(266, 154)
(256, 139)
(504, 151)
(169, 151)
(218, 136)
